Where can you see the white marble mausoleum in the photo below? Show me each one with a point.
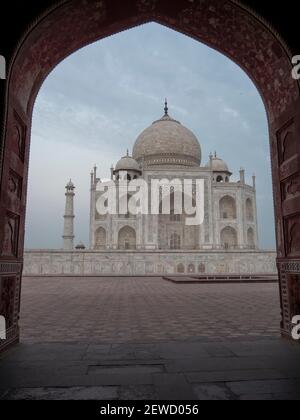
(226, 242)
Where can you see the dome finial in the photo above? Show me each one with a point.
(127, 153)
(166, 107)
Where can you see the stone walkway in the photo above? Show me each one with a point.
(116, 310)
(238, 369)
(146, 338)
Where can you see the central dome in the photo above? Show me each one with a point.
(167, 142)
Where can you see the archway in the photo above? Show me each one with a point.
(227, 208)
(127, 238)
(169, 224)
(191, 269)
(225, 26)
(100, 238)
(180, 268)
(250, 238)
(249, 210)
(229, 238)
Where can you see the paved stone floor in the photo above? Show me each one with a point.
(116, 310)
(130, 339)
(235, 369)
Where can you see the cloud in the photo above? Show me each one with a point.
(231, 112)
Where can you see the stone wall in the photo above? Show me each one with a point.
(57, 262)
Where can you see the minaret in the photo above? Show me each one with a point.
(242, 176)
(211, 156)
(254, 181)
(68, 235)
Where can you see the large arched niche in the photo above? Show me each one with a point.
(227, 207)
(226, 26)
(229, 238)
(127, 238)
(100, 238)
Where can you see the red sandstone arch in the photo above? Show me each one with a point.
(223, 25)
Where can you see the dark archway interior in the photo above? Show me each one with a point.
(228, 27)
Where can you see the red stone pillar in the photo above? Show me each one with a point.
(12, 219)
(285, 153)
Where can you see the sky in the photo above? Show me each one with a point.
(95, 103)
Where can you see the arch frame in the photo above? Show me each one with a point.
(229, 27)
(232, 230)
(233, 200)
(130, 239)
(251, 237)
(97, 230)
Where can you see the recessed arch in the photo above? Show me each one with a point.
(229, 238)
(227, 206)
(289, 146)
(191, 268)
(201, 268)
(127, 238)
(100, 238)
(251, 237)
(249, 210)
(180, 268)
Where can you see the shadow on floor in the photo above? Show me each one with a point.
(204, 369)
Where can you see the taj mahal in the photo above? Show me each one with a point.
(156, 244)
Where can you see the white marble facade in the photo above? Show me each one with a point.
(226, 243)
(116, 263)
(168, 150)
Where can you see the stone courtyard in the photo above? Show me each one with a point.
(147, 338)
(144, 309)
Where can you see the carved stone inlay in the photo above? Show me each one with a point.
(201, 268)
(291, 267)
(292, 235)
(19, 136)
(294, 294)
(11, 232)
(289, 168)
(14, 185)
(285, 304)
(291, 187)
(286, 143)
(10, 268)
(288, 146)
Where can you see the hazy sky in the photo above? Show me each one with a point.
(94, 104)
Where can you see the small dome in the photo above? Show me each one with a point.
(167, 142)
(217, 164)
(127, 163)
(70, 185)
